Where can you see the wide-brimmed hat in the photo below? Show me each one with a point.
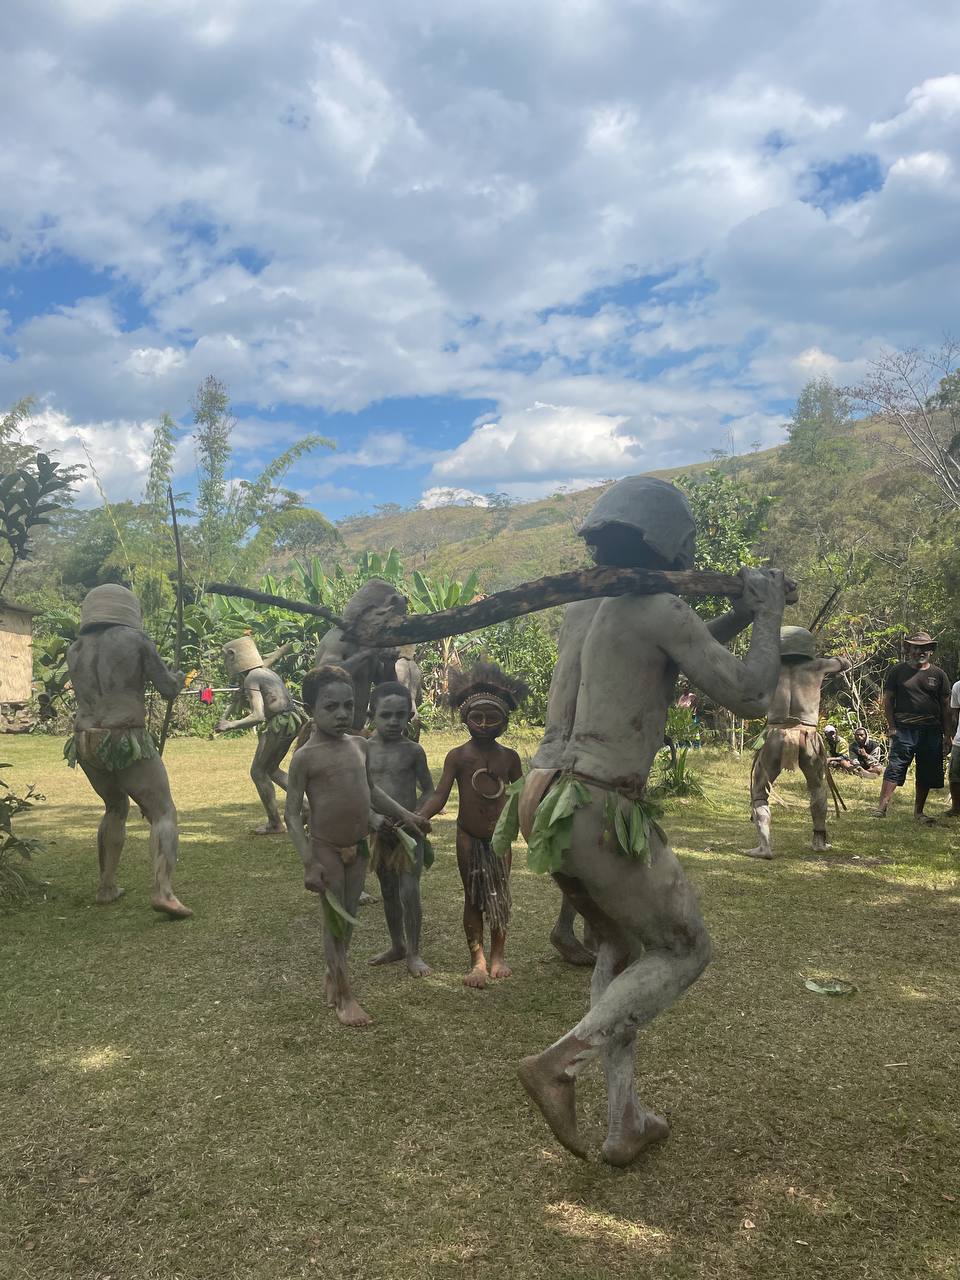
(921, 640)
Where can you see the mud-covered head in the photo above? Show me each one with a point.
(860, 734)
(375, 607)
(485, 696)
(241, 655)
(797, 644)
(328, 697)
(110, 606)
(391, 707)
(641, 523)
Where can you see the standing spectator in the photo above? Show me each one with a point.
(954, 774)
(865, 753)
(916, 705)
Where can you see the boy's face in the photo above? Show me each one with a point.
(485, 721)
(333, 710)
(390, 717)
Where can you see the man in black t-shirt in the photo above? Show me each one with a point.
(916, 704)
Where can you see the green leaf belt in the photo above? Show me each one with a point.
(628, 818)
(289, 723)
(110, 749)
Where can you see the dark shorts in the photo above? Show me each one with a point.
(923, 743)
(955, 764)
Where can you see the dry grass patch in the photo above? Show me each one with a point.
(177, 1101)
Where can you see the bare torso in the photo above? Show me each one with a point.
(797, 696)
(335, 781)
(271, 688)
(482, 772)
(110, 669)
(394, 767)
(615, 675)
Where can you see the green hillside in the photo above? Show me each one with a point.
(506, 545)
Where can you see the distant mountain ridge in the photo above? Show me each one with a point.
(504, 544)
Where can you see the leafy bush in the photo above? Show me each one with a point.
(17, 884)
(676, 779)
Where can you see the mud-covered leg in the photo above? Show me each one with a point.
(147, 783)
(565, 941)
(413, 916)
(393, 913)
(345, 883)
(655, 913)
(111, 832)
(814, 769)
(765, 773)
(271, 748)
(472, 917)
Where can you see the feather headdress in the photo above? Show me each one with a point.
(485, 682)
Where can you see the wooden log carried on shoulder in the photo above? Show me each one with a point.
(529, 597)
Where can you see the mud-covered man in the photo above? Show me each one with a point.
(110, 664)
(792, 739)
(275, 715)
(614, 680)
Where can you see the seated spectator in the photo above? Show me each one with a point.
(837, 757)
(865, 753)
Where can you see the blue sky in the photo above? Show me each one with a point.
(485, 248)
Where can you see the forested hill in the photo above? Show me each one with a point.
(512, 543)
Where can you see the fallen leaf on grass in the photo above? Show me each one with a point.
(830, 987)
(748, 1224)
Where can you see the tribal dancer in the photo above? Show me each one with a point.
(792, 739)
(482, 770)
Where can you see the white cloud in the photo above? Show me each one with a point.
(542, 442)
(329, 208)
(446, 496)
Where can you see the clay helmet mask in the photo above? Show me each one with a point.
(657, 511)
(241, 655)
(797, 642)
(110, 605)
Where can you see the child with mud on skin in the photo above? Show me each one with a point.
(332, 770)
(399, 767)
(482, 770)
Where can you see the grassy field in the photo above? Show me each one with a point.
(176, 1100)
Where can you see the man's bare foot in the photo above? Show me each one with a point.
(106, 896)
(418, 968)
(571, 949)
(329, 991)
(924, 819)
(366, 899)
(556, 1100)
(761, 851)
(390, 956)
(268, 829)
(476, 978)
(950, 813)
(170, 906)
(499, 969)
(351, 1015)
(819, 841)
(625, 1147)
